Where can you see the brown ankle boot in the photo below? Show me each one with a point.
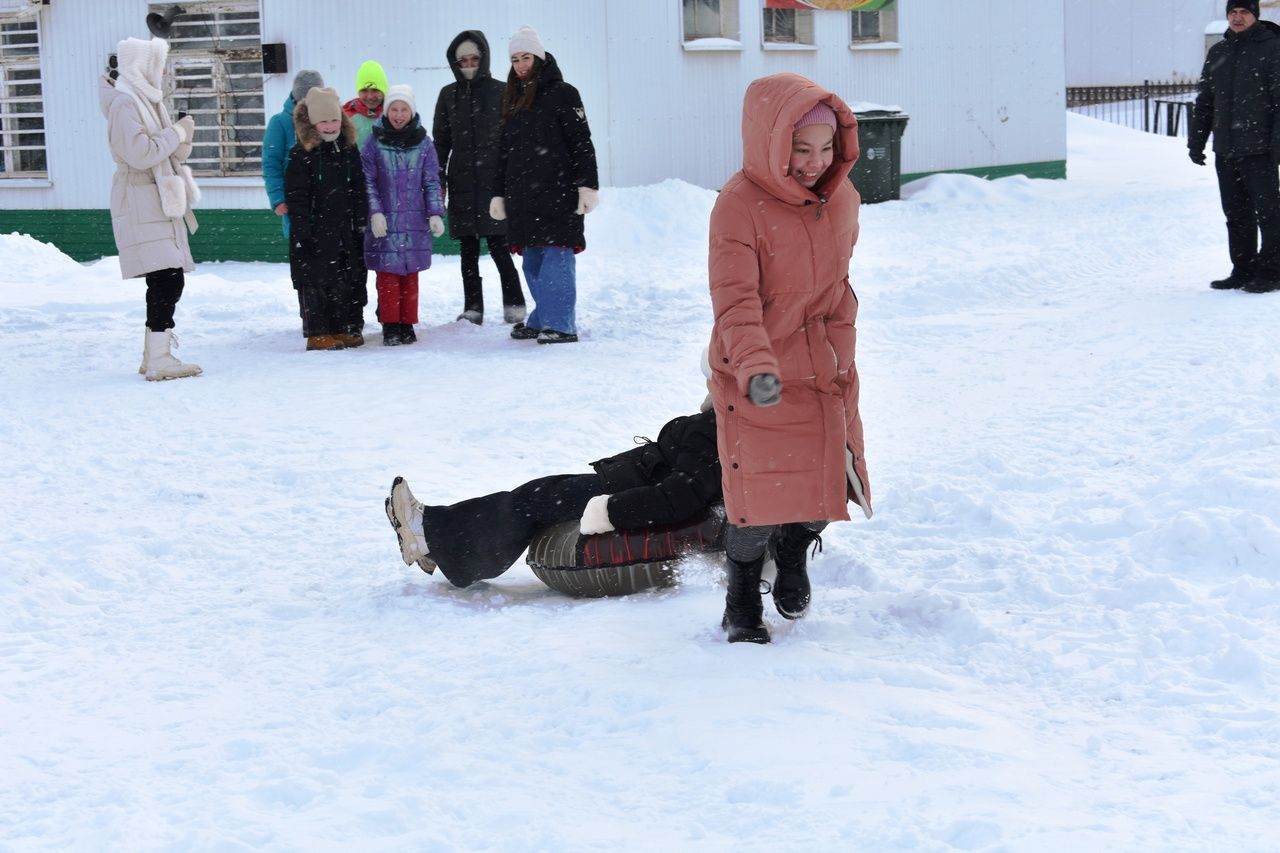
(351, 340)
(324, 342)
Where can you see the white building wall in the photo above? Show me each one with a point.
(1110, 43)
(976, 94)
(76, 39)
(982, 81)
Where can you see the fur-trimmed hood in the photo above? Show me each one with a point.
(309, 138)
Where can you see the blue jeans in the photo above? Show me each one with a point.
(551, 273)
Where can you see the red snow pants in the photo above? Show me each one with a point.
(397, 297)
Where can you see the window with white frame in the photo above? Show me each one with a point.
(710, 19)
(22, 149)
(215, 76)
(874, 27)
(788, 26)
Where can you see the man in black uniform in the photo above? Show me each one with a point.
(1238, 101)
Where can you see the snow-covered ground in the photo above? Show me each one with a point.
(1061, 630)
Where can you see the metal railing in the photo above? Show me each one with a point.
(1155, 106)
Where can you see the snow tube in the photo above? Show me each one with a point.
(624, 561)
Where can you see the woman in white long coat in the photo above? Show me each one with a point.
(152, 193)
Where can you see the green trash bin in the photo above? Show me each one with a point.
(878, 172)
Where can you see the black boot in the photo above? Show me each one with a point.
(743, 610)
(472, 296)
(1262, 285)
(391, 335)
(790, 554)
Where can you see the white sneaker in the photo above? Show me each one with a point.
(404, 511)
(514, 314)
(472, 316)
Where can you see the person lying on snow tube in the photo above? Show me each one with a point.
(671, 480)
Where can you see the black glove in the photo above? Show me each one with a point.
(1196, 155)
(764, 389)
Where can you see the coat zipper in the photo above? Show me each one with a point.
(822, 202)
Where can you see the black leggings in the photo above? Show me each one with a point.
(748, 544)
(472, 294)
(164, 289)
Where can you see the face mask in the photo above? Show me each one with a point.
(469, 73)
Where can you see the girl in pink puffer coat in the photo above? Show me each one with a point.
(784, 382)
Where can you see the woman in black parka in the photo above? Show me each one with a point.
(466, 131)
(660, 482)
(546, 183)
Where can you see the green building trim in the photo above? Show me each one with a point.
(1049, 169)
(227, 234)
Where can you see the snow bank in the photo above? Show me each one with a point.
(25, 257)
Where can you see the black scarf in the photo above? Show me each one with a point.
(409, 136)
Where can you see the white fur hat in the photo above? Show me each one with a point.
(401, 92)
(526, 41)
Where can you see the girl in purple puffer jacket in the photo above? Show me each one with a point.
(406, 209)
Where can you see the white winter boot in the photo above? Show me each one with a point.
(158, 363)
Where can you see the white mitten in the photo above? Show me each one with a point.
(595, 518)
(498, 208)
(378, 225)
(437, 226)
(186, 127)
(588, 200)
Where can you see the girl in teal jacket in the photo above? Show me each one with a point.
(279, 141)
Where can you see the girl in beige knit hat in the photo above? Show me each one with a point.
(328, 211)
